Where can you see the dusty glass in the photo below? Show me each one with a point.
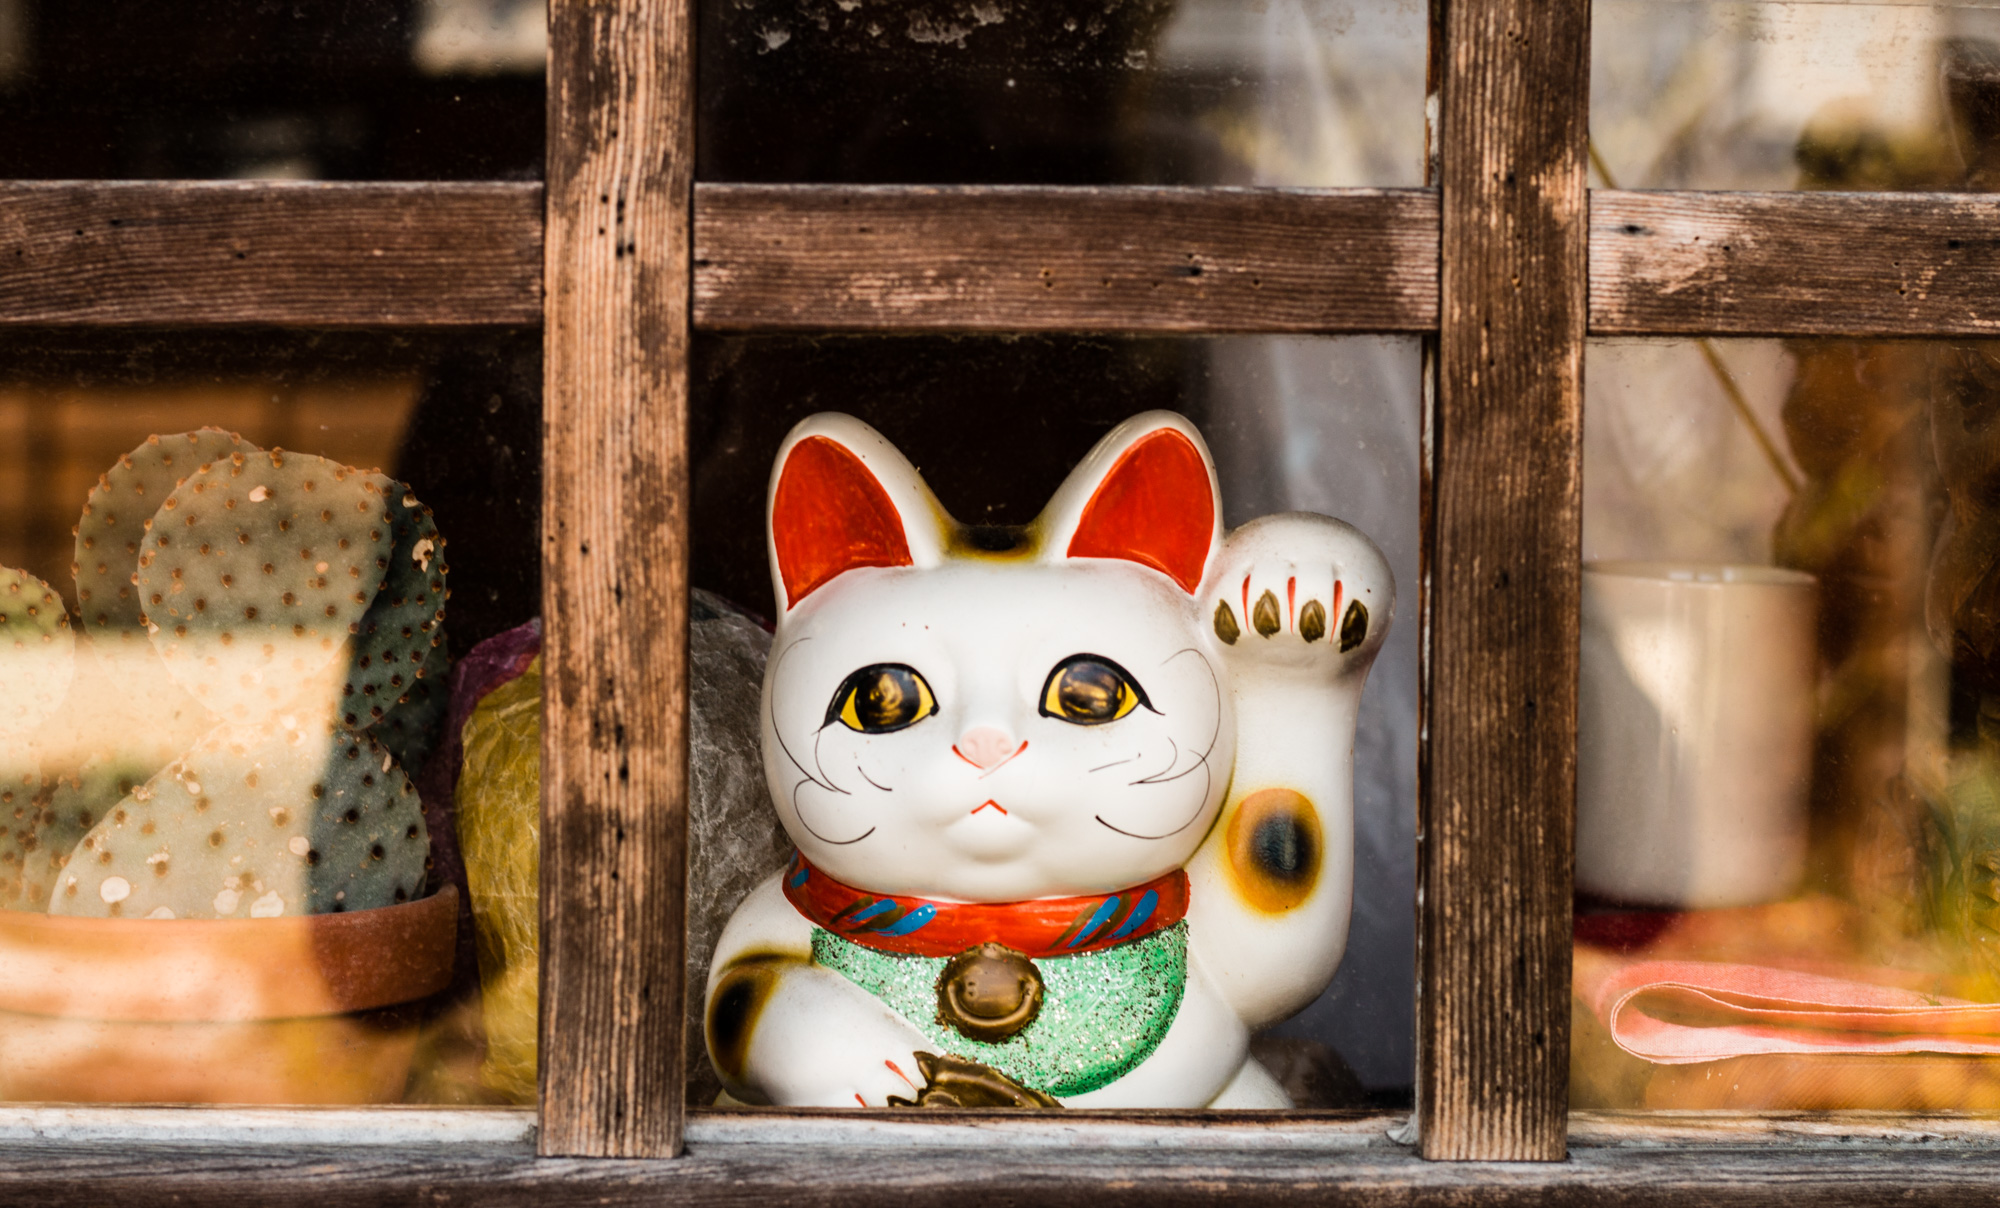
(1788, 817)
(1278, 92)
(1824, 94)
(245, 584)
(363, 90)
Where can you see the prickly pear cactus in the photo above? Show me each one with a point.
(404, 624)
(410, 730)
(37, 654)
(40, 826)
(21, 859)
(257, 569)
(120, 509)
(255, 824)
(293, 602)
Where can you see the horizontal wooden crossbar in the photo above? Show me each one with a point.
(1794, 264)
(840, 258)
(174, 253)
(1065, 259)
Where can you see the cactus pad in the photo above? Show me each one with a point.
(255, 571)
(405, 622)
(39, 827)
(276, 822)
(23, 864)
(410, 730)
(37, 652)
(115, 518)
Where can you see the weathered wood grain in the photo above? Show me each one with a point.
(1832, 1175)
(614, 578)
(1064, 259)
(1802, 1130)
(1498, 766)
(1832, 264)
(855, 258)
(320, 255)
(769, 257)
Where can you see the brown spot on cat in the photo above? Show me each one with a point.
(739, 998)
(1354, 626)
(993, 542)
(1226, 627)
(1274, 849)
(1264, 615)
(1312, 621)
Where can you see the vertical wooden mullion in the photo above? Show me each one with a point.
(614, 567)
(1499, 763)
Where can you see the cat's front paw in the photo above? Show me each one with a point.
(956, 1082)
(1301, 590)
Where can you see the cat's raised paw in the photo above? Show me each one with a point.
(1300, 589)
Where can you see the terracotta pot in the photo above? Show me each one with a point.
(311, 1010)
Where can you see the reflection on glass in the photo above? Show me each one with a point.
(1689, 94)
(1290, 92)
(229, 857)
(1788, 815)
(1325, 425)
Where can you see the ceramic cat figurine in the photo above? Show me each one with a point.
(1073, 803)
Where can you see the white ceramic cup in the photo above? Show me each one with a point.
(1694, 732)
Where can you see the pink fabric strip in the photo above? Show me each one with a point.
(1681, 1012)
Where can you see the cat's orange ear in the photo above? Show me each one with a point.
(1146, 494)
(839, 496)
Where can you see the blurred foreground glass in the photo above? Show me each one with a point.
(1788, 807)
(230, 861)
(1289, 92)
(1294, 424)
(1825, 94)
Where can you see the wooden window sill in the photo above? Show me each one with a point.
(1101, 1161)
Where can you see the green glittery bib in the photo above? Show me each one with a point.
(1102, 1013)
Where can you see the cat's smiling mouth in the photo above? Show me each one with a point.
(989, 836)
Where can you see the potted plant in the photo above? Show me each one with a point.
(214, 865)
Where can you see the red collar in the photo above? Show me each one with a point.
(1037, 928)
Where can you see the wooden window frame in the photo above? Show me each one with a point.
(1505, 263)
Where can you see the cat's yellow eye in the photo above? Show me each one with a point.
(1090, 690)
(881, 699)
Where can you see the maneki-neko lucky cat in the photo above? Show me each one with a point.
(1073, 802)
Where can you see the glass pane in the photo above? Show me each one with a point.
(1788, 787)
(1290, 92)
(1687, 94)
(996, 425)
(356, 90)
(232, 869)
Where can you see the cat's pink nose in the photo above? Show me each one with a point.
(985, 747)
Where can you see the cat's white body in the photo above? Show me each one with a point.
(1231, 759)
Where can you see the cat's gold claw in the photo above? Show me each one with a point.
(1302, 613)
(955, 1082)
